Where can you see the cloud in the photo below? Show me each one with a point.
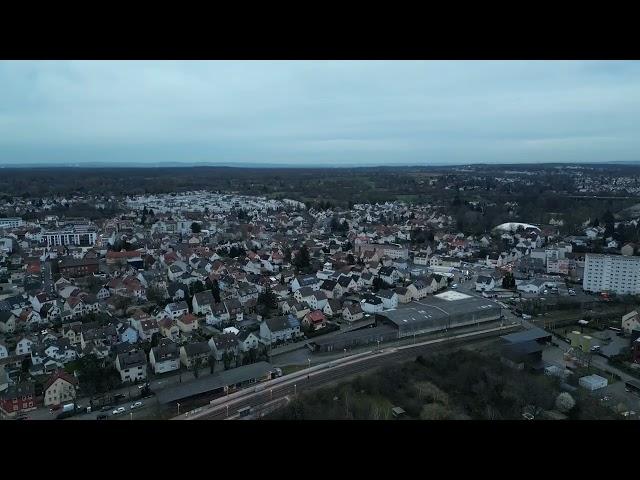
(316, 111)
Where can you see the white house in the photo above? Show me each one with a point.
(372, 304)
(132, 366)
(61, 387)
(248, 341)
(165, 357)
(389, 298)
(485, 283)
(202, 302)
(23, 346)
(352, 313)
(281, 328)
(534, 286)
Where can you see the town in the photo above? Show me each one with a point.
(158, 304)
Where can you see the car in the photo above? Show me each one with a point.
(118, 411)
(545, 292)
(135, 405)
(595, 348)
(55, 408)
(454, 286)
(102, 417)
(106, 408)
(527, 416)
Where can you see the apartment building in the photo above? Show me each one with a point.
(612, 273)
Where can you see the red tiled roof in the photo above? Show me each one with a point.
(60, 374)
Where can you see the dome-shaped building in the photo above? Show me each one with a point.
(514, 226)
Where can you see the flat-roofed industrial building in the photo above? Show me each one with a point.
(440, 312)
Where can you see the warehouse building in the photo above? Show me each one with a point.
(440, 312)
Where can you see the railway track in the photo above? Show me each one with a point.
(332, 371)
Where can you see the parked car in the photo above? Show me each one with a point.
(102, 417)
(118, 411)
(454, 286)
(106, 408)
(135, 405)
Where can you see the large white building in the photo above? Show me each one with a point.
(71, 234)
(611, 273)
(11, 222)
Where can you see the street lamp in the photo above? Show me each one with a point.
(271, 393)
(130, 415)
(227, 410)
(345, 352)
(309, 360)
(295, 389)
(178, 409)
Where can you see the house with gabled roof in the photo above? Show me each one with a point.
(332, 308)
(61, 387)
(278, 329)
(165, 357)
(195, 352)
(132, 366)
(315, 320)
(352, 312)
(202, 302)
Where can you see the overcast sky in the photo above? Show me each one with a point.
(319, 112)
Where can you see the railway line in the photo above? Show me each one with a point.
(304, 380)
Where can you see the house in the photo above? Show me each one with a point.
(7, 322)
(315, 320)
(347, 284)
(99, 335)
(246, 293)
(305, 281)
(389, 274)
(299, 310)
(533, 286)
(279, 329)
(126, 333)
(168, 328)
(187, 323)
(60, 388)
(372, 304)
(177, 309)
(247, 341)
(485, 283)
(302, 294)
(23, 346)
(352, 313)
(404, 295)
(419, 289)
(165, 357)
(631, 322)
(202, 302)
(147, 328)
(132, 366)
(328, 288)
(389, 298)
(332, 308)
(196, 353)
(18, 398)
(72, 331)
(218, 314)
(227, 342)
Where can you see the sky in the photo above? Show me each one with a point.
(310, 113)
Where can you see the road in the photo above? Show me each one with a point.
(327, 373)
